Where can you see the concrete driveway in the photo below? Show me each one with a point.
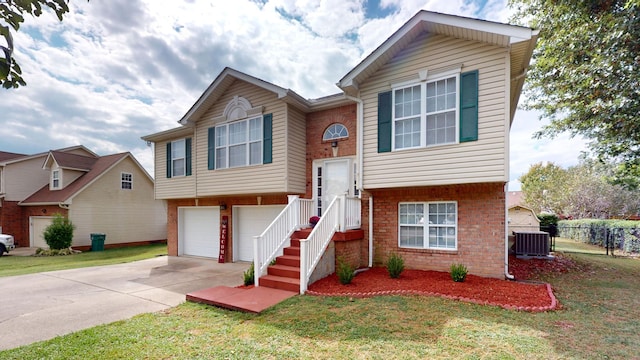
(45, 305)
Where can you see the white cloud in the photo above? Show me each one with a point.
(116, 70)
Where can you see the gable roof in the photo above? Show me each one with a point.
(34, 156)
(70, 161)
(228, 76)
(4, 156)
(520, 40)
(101, 165)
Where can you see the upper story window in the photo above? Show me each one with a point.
(126, 181)
(426, 114)
(55, 179)
(243, 138)
(178, 157)
(239, 143)
(334, 132)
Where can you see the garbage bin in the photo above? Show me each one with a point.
(97, 242)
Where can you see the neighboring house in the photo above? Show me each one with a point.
(418, 138)
(100, 194)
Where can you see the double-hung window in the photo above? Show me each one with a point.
(178, 157)
(428, 225)
(239, 143)
(126, 181)
(426, 114)
(55, 179)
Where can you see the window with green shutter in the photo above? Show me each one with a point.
(240, 143)
(441, 110)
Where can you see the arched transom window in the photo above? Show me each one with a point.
(335, 131)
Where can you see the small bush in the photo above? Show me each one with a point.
(249, 276)
(59, 234)
(345, 272)
(395, 265)
(458, 272)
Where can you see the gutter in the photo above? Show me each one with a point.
(360, 150)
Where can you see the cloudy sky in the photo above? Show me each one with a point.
(115, 70)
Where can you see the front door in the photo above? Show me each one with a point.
(332, 178)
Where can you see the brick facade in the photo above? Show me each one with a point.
(481, 227)
(14, 219)
(317, 123)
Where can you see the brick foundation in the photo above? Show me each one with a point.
(481, 228)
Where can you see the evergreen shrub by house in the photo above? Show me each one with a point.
(345, 272)
(458, 272)
(59, 234)
(395, 265)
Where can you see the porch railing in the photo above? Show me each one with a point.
(276, 236)
(312, 248)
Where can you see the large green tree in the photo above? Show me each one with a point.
(584, 75)
(12, 15)
(544, 187)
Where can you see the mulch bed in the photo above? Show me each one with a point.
(514, 295)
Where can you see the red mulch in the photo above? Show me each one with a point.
(507, 294)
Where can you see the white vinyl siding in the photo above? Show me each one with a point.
(175, 187)
(123, 216)
(484, 160)
(296, 151)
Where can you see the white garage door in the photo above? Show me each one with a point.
(199, 231)
(37, 225)
(250, 221)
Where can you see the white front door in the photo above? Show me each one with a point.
(332, 178)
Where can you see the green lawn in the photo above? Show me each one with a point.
(20, 265)
(600, 319)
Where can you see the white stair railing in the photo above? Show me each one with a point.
(276, 236)
(313, 247)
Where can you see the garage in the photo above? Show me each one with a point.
(250, 221)
(199, 231)
(37, 225)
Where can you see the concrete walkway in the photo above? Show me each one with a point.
(45, 305)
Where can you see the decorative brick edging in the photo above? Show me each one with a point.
(552, 306)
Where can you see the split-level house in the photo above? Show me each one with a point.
(111, 195)
(412, 157)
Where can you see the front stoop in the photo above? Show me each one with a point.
(253, 300)
(281, 282)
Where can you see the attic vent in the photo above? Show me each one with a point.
(239, 108)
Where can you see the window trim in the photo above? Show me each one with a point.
(426, 225)
(422, 82)
(55, 176)
(248, 142)
(184, 158)
(123, 181)
(329, 137)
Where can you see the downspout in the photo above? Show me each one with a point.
(360, 151)
(506, 235)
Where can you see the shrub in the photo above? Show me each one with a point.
(345, 272)
(249, 276)
(395, 265)
(59, 234)
(458, 272)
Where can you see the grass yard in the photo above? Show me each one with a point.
(20, 265)
(600, 319)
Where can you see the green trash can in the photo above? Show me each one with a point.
(97, 242)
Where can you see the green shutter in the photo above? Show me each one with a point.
(211, 148)
(187, 160)
(469, 106)
(267, 139)
(169, 159)
(384, 122)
